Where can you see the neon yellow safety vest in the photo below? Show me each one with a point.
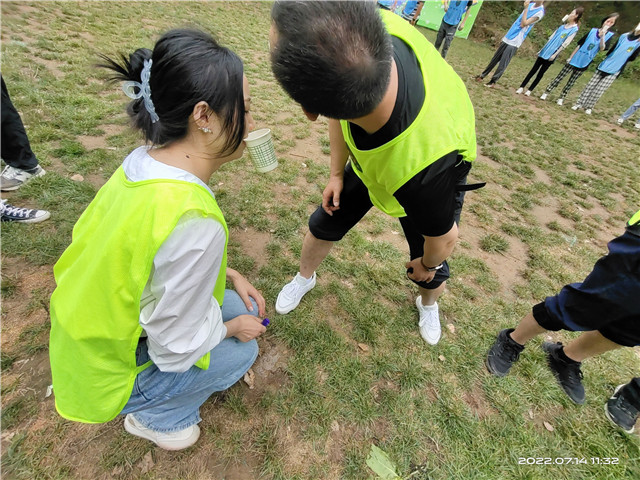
(100, 278)
(445, 123)
(635, 219)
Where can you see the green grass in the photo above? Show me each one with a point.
(353, 369)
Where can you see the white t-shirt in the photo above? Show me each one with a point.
(178, 313)
(518, 40)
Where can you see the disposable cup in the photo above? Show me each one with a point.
(261, 150)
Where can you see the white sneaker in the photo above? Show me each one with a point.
(620, 121)
(543, 96)
(520, 90)
(588, 111)
(291, 294)
(166, 440)
(527, 93)
(560, 101)
(576, 107)
(429, 321)
(13, 178)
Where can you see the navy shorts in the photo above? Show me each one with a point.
(608, 300)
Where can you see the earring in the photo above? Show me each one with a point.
(205, 129)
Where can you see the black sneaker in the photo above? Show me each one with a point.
(567, 373)
(504, 353)
(25, 215)
(620, 411)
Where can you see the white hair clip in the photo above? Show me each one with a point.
(143, 90)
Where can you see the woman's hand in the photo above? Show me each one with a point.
(245, 328)
(246, 291)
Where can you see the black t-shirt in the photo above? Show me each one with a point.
(428, 198)
(408, 101)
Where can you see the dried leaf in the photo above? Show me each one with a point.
(147, 463)
(531, 414)
(548, 426)
(451, 327)
(116, 472)
(249, 379)
(49, 391)
(77, 177)
(363, 347)
(381, 464)
(441, 358)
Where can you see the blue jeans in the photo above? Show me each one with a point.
(169, 401)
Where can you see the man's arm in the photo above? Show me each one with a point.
(466, 15)
(339, 157)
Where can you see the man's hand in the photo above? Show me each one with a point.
(461, 26)
(331, 195)
(419, 273)
(245, 327)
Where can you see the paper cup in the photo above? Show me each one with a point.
(261, 150)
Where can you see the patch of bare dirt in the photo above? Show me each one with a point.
(253, 243)
(91, 142)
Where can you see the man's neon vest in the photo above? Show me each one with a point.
(445, 123)
(589, 49)
(100, 278)
(556, 40)
(614, 62)
(635, 219)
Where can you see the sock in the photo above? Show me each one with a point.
(429, 308)
(301, 280)
(563, 356)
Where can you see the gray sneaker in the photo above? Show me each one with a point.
(13, 178)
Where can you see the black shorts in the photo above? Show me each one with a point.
(430, 199)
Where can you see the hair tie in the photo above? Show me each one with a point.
(144, 90)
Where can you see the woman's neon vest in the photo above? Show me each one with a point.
(589, 49)
(635, 219)
(616, 59)
(100, 277)
(556, 40)
(516, 28)
(445, 123)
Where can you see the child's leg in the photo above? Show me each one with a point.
(599, 89)
(587, 345)
(631, 109)
(494, 61)
(534, 69)
(575, 75)
(506, 57)
(544, 66)
(556, 81)
(588, 89)
(450, 33)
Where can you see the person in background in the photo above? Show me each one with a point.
(141, 321)
(514, 38)
(560, 39)
(21, 163)
(628, 112)
(623, 408)
(455, 11)
(22, 215)
(625, 51)
(596, 40)
(604, 307)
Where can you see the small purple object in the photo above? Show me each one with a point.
(266, 322)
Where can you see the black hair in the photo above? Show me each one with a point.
(188, 66)
(332, 57)
(611, 15)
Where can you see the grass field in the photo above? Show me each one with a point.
(347, 369)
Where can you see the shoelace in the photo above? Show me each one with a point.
(12, 211)
(510, 350)
(9, 172)
(575, 374)
(291, 290)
